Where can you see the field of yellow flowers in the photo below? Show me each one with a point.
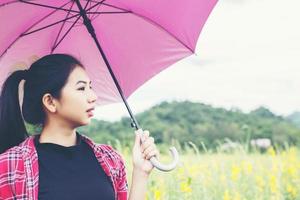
(223, 176)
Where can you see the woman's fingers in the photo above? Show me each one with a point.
(145, 135)
(153, 152)
(148, 147)
(147, 143)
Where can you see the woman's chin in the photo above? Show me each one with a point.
(84, 122)
(87, 121)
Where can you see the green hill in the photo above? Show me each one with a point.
(187, 121)
(295, 118)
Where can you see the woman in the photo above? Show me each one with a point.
(60, 163)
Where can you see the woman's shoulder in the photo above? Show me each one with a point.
(16, 153)
(10, 159)
(105, 150)
(115, 162)
(13, 152)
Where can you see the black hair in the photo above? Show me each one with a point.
(49, 74)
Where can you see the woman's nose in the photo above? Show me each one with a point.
(93, 96)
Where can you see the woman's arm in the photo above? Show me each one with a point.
(142, 166)
(138, 187)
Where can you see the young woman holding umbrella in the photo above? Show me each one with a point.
(60, 163)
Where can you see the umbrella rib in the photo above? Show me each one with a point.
(120, 12)
(69, 10)
(7, 3)
(62, 26)
(59, 20)
(24, 33)
(109, 5)
(94, 16)
(90, 4)
(47, 6)
(161, 27)
(46, 16)
(54, 47)
(57, 43)
(151, 21)
(112, 6)
(44, 27)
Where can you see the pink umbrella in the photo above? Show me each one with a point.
(135, 40)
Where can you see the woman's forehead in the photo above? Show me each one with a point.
(78, 74)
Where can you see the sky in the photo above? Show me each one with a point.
(247, 56)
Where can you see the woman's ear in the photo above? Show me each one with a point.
(49, 103)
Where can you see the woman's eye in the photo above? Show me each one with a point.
(82, 88)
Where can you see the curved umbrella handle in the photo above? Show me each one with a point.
(165, 167)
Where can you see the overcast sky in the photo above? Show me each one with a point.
(248, 55)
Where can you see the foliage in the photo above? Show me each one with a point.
(295, 118)
(202, 124)
(187, 121)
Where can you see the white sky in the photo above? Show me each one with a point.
(248, 55)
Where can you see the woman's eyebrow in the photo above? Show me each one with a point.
(83, 82)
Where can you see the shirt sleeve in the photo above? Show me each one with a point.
(6, 176)
(122, 182)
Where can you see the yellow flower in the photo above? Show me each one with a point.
(226, 195)
(292, 171)
(236, 196)
(235, 171)
(273, 183)
(292, 191)
(223, 178)
(181, 174)
(271, 151)
(193, 170)
(259, 182)
(248, 168)
(185, 187)
(157, 195)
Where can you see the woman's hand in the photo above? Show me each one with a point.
(142, 152)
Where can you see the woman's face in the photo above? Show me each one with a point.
(77, 97)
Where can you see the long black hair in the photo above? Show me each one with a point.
(47, 75)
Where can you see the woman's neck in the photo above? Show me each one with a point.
(58, 135)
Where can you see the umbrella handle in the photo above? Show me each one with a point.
(165, 167)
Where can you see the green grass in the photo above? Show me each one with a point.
(238, 175)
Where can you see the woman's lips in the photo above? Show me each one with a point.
(90, 112)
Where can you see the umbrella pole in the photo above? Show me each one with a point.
(91, 30)
(134, 123)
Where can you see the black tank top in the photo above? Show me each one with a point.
(71, 173)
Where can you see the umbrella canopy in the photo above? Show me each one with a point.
(131, 41)
(139, 37)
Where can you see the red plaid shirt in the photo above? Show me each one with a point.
(19, 170)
